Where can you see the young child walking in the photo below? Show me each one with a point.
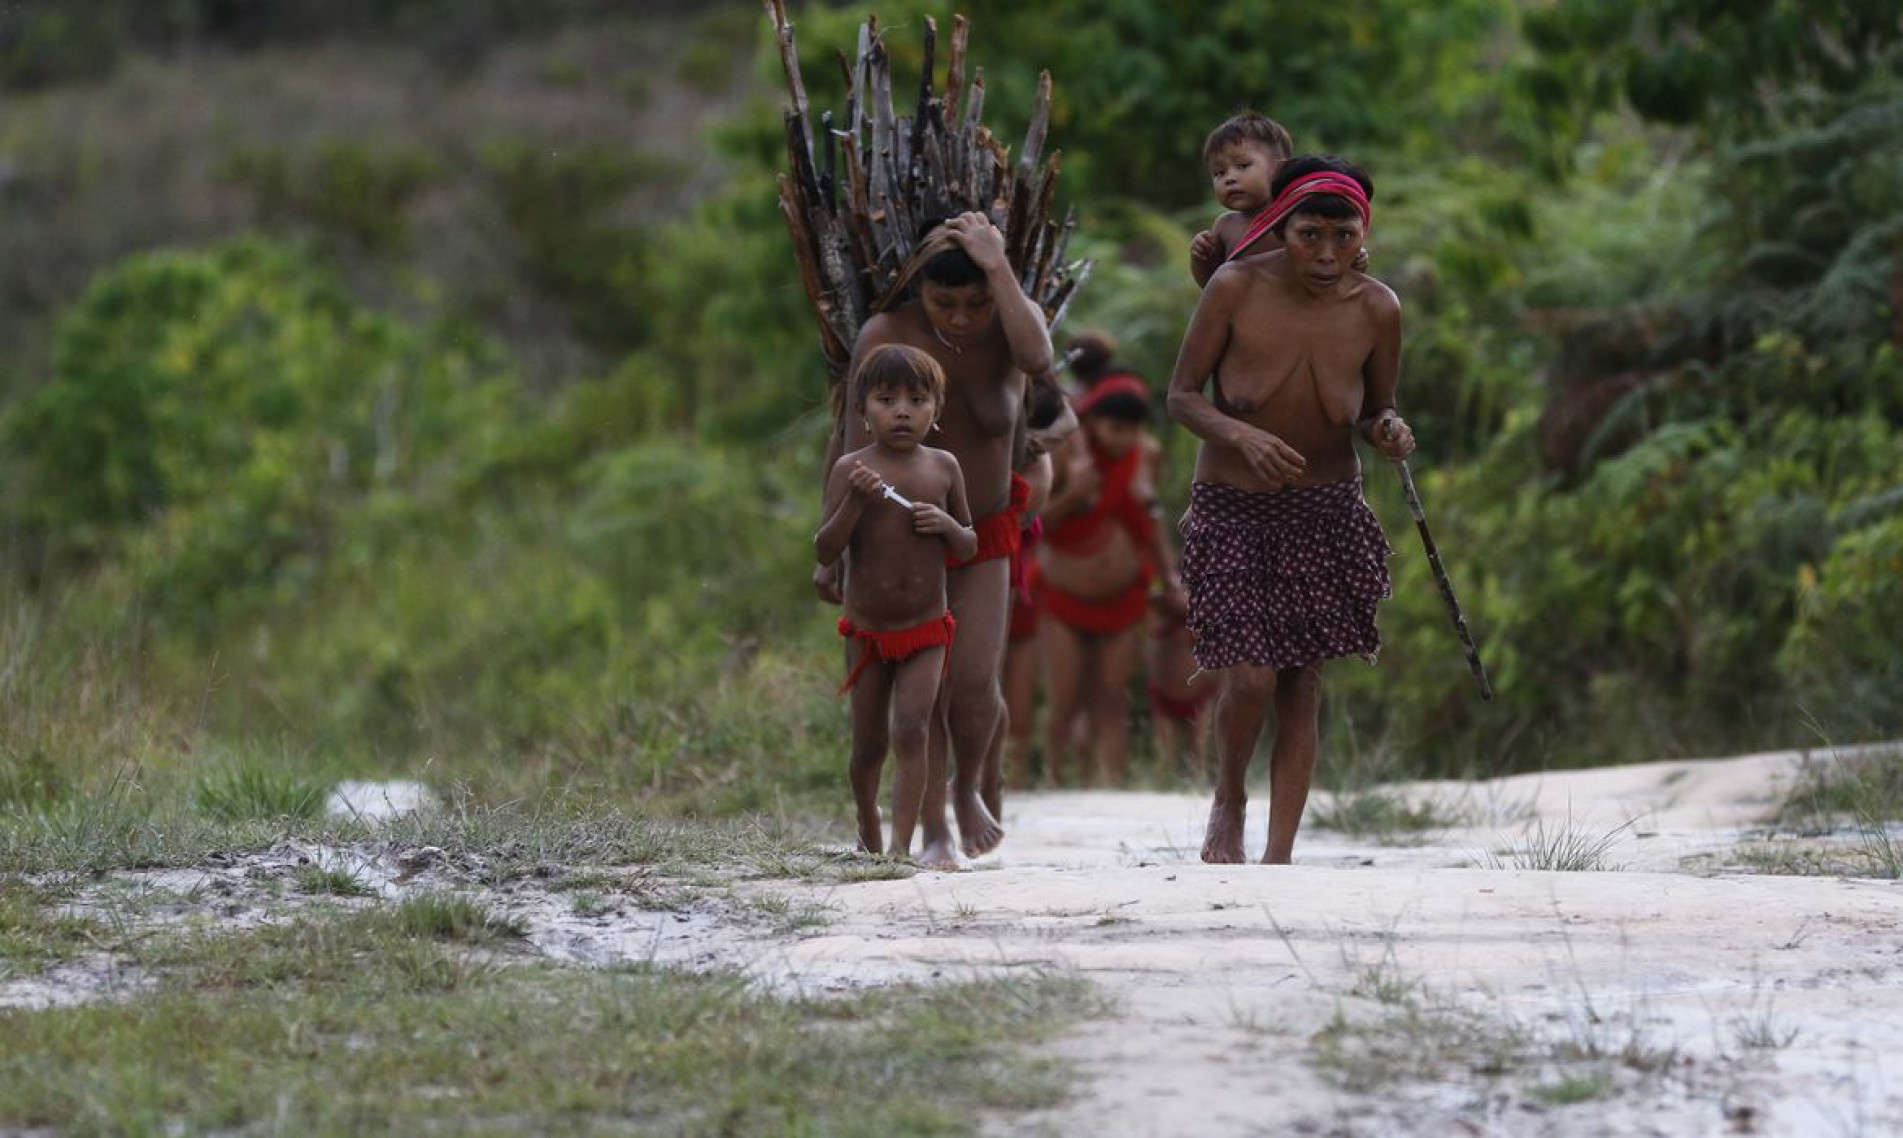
(899, 507)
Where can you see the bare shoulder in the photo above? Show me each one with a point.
(882, 328)
(863, 454)
(1378, 298)
(1229, 226)
(942, 458)
(1237, 278)
(1230, 281)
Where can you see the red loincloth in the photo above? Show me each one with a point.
(1024, 607)
(895, 644)
(1112, 614)
(998, 535)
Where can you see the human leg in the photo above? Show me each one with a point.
(1109, 697)
(974, 704)
(870, 696)
(1020, 708)
(1298, 697)
(914, 695)
(1063, 649)
(1242, 706)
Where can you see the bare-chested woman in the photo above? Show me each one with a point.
(1101, 551)
(1284, 561)
(972, 317)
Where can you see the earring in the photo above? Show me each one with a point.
(866, 423)
(934, 426)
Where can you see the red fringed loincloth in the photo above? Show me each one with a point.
(1283, 580)
(1101, 617)
(895, 644)
(998, 535)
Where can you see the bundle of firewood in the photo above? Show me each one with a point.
(854, 204)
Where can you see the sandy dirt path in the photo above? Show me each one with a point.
(1370, 989)
(1379, 990)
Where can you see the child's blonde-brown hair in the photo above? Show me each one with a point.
(898, 366)
(1248, 126)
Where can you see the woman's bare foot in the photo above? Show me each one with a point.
(939, 855)
(1222, 840)
(872, 832)
(978, 831)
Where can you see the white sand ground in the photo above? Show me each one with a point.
(1673, 993)
(1719, 1001)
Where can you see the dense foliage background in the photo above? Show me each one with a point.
(425, 388)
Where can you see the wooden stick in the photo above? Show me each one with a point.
(1440, 578)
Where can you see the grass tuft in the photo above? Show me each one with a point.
(251, 790)
(1385, 816)
(333, 881)
(1566, 848)
(450, 916)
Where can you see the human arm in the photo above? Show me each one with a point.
(1381, 426)
(1205, 256)
(1162, 553)
(1202, 350)
(1043, 386)
(848, 491)
(1075, 480)
(1038, 474)
(952, 523)
(1024, 328)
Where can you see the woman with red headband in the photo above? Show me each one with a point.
(1101, 551)
(1285, 562)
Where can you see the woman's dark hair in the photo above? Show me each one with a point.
(1095, 351)
(952, 268)
(1334, 207)
(1122, 408)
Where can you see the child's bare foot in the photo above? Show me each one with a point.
(1222, 840)
(978, 831)
(940, 855)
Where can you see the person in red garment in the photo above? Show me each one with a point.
(1102, 551)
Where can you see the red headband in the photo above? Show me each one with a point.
(1121, 384)
(1292, 195)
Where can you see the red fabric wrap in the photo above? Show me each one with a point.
(998, 534)
(1024, 608)
(895, 644)
(1119, 384)
(1086, 533)
(1308, 186)
(1112, 614)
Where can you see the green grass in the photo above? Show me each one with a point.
(255, 790)
(1864, 787)
(1385, 816)
(382, 1021)
(333, 881)
(1565, 847)
(34, 931)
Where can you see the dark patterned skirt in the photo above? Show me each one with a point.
(1283, 580)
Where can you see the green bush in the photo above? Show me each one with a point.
(214, 416)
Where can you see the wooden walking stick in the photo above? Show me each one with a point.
(1440, 575)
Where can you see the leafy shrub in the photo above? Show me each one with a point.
(216, 414)
(343, 188)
